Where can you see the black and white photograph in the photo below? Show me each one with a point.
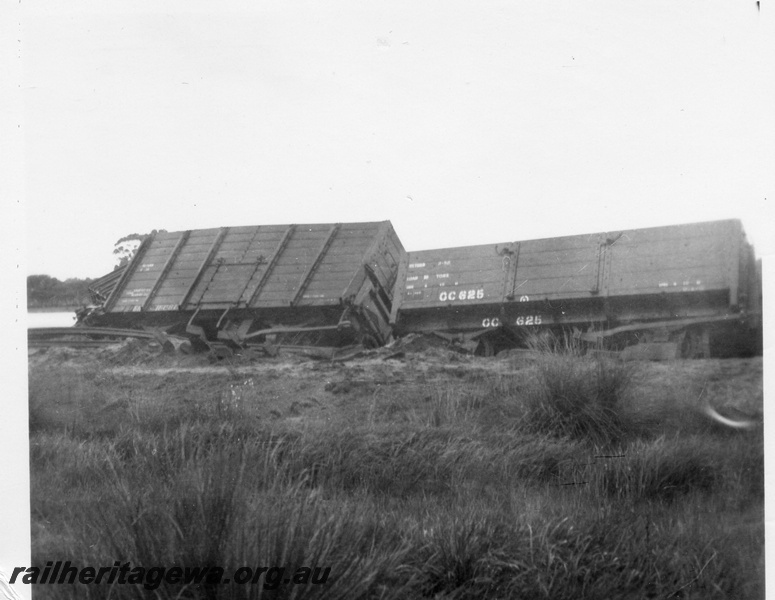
(386, 300)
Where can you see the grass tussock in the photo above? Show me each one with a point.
(575, 395)
(568, 479)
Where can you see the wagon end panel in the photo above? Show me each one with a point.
(369, 294)
(749, 298)
(384, 259)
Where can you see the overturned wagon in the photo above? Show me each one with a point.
(686, 290)
(322, 284)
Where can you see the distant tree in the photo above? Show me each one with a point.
(125, 248)
(41, 289)
(47, 291)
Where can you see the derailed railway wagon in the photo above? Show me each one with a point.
(678, 291)
(321, 285)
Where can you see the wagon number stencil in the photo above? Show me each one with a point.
(522, 320)
(462, 295)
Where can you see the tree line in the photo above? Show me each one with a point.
(44, 291)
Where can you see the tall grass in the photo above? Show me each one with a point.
(225, 504)
(487, 486)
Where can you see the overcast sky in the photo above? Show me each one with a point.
(460, 122)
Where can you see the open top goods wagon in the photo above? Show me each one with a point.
(322, 284)
(685, 290)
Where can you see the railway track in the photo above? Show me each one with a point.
(81, 337)
(73, 343)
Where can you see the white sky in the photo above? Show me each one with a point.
(461, 122)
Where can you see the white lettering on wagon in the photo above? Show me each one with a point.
(416, 265)
(462, 295)
(138, 292)
(522, 321)
(686, 285)
(528, 320)
(165, 307)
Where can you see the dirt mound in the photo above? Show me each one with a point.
(415, 342)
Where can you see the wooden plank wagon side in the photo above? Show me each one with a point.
(680, 289)
(318, 284)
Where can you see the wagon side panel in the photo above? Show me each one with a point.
(673, 260)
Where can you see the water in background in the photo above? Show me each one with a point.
(50, 319)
